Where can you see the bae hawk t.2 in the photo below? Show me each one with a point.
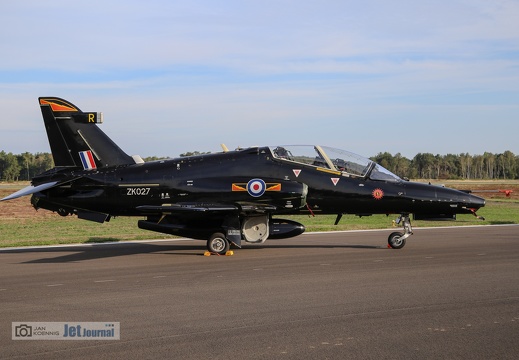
(223, 198)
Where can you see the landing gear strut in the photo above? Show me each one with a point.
(396, 240)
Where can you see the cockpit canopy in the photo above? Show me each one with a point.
(349, 164)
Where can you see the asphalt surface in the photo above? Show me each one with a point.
(449, 293)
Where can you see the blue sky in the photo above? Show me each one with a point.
(175, 76)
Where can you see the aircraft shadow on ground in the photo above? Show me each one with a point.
(299, 246)
(101, 251)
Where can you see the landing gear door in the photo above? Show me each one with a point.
(231, 226)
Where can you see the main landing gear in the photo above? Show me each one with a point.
(218, 244)
(396, 240)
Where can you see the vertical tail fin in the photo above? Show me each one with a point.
(74, 138)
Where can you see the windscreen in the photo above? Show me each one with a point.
(381, 173)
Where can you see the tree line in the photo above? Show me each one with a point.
(15, 167)
(446, 167)
(23, 166)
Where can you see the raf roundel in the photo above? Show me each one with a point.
(256, 187)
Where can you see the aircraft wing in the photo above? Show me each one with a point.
(30, 190)
(257, 207)
(184, 208)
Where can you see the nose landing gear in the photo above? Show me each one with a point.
(473, 211)
(396, 240)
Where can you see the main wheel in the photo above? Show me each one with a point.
(395, 240)
(218, 244)
(63, 212)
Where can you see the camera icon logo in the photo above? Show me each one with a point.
(23, 330)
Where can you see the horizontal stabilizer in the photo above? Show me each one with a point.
(30, 190)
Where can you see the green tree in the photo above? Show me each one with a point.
(465, 165)
(424, 164)
(154, 158)
(42, 163)
(10, 168)
(26, 161)
(490, 165)
(194, 153)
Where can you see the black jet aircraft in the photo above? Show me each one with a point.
(223, 198)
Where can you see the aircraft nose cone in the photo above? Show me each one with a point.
(475, 202)
(467, 201)
(462, 198)
(445, 199)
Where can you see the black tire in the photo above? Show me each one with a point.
(63, 212)
(395, 240)
(218, 244)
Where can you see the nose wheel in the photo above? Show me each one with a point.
(396, 240)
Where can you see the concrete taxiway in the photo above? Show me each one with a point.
(450, 293)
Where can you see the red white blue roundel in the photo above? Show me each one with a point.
(256, 187)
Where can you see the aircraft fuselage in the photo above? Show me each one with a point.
(222, 179)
